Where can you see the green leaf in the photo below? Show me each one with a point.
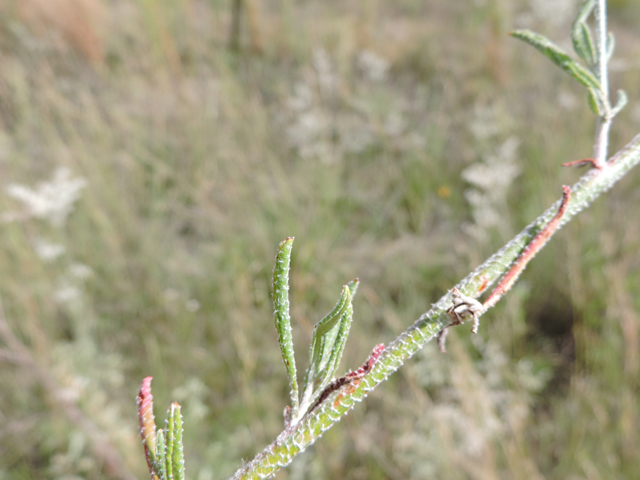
(622, 101)
(175, 450)
(170, 439)
(581, 34)
(322, 341)
(611, 45)
(332, 365)
(583, 43)
(559, 57)
(595, 102)
(160, 464)
(335, 342)
(327, 346)
(282, 319)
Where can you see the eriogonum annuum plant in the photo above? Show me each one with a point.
(323, 400)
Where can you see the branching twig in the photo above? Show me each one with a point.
(337, 404)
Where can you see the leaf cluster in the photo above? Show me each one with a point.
(163, 447)
(327, 343)
(588, 74)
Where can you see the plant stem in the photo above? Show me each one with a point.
(295, 440)
(602, 141)
(604, 123)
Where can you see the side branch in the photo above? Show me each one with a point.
(335, 406)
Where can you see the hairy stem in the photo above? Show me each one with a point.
(604, 123)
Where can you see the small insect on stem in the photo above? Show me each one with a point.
(529, 252)
(464, 307)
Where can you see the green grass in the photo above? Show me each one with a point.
(192, 183)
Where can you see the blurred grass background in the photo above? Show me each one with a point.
(400, 142)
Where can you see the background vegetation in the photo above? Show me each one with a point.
(148, 173)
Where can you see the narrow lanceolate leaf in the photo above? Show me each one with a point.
(559, 57)
(337, 349)
(622, 101)
(323, 339)
(581, 34)
(175, 453)
(161, 456)
(147, 424)
(282, 319)
(169, 440)
(333, 341)
(583, 43)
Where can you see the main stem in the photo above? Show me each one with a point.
(604, 123)
(295, 440)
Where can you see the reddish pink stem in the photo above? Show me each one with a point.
(529, 252)
(583, 162)
(368, 365)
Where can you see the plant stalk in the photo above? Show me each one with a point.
(604, 123)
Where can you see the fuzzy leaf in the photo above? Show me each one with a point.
(581, 34)
(334, 343)
(323, 339)
(336, 349)
(175, 450)
(327, 345)
(161, 456)
(282, 319)
(583, 42)
(169, 440)
(559, 57)
(332, 365)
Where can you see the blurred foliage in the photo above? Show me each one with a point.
(348, 125)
